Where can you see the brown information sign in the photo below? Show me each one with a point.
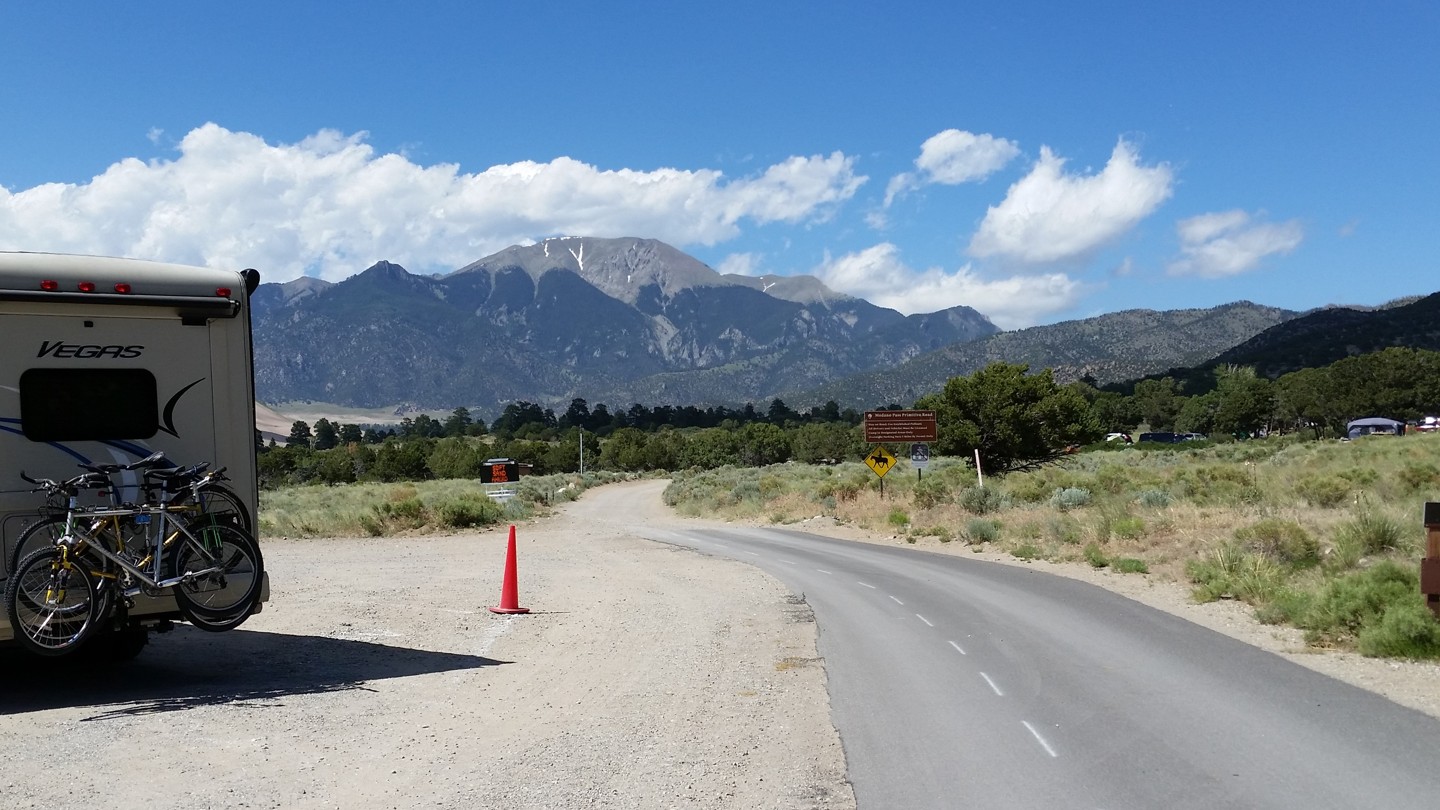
(899, 426)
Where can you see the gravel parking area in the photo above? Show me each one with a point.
(645, 676)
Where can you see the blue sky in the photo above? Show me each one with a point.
(1037, 161)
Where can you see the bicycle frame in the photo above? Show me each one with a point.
(156, 543)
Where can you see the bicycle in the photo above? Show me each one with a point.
(58, 596)
(212, 499)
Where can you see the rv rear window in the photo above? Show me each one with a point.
(88, 404)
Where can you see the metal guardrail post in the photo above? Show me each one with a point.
(1430, 566)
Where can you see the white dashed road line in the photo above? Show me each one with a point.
(1039, 739)
(866, 584)
(923, 619)
(958, 648)
(992, 685)
(897, 601)
(823, 571)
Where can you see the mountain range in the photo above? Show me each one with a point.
(616, 320)
(635, 320)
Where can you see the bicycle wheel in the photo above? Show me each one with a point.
(212, 624)
(225, 595)
(41, 534)
(222, 505)
(53, 603)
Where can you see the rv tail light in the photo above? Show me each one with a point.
(122, 288)
(49, 286)
(86, 286)
(223, 292)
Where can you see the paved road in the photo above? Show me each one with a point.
(957, 683)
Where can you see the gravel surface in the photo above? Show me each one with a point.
(645, 677)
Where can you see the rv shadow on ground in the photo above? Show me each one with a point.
(188, 668)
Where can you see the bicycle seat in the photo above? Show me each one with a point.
(175, 476)
(152, 461)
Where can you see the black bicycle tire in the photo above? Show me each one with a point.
(19, 553)
(237, 606)
(92, 598)
(231, 499)
(211, 624)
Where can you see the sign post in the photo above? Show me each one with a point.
(897, 427)
(880, 462)
(919, 459)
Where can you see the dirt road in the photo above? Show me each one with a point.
(645, 676)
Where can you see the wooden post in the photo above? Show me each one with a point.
(1430, 566)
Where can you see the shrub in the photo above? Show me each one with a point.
(1370, 533)
(1359, 476)
(1348, 604)
(372, 525)
(747, 490)
(1154, 498)
(408, 508)
(1231, 571)
(1029, 487)
(982, 530)
(1323, 490)
(1415, 477)
(1130, 565)
(1287, 605)
(771, 486)
(898, 517)
(1026, 551)
(1213, 483)
(1069, 498)
(983, 500)
(930, 492)
(944, 534)
(1407, 629)
(469, 511)
(1284, 541)
(1095, 556)
(1063, 529)
(1128, 527)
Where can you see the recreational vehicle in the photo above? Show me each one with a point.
(107, 361)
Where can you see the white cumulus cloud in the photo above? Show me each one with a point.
(330, 205)
(952, 157)
(741, 264)
(1228, 243)
(879, 275)
(1050, 216)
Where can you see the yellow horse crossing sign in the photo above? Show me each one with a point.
(880, 461)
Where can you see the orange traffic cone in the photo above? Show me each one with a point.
(510, 590)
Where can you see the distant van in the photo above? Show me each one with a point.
(1166, 437)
